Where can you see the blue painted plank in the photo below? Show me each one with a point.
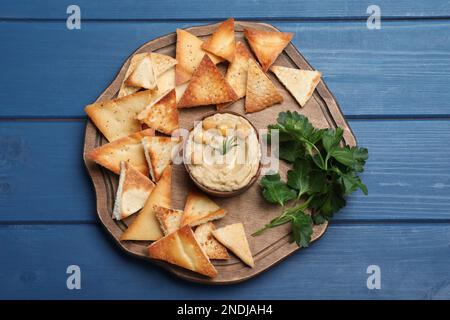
(215, 9)
(401, 70)
(42, 177)
(413, 260)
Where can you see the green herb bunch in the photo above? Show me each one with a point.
(323, 173)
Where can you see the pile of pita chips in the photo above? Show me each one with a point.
(169, 219)
(117, 118)
(300, 83)
(236, 74)
(146, 225)
(159, 152)
(261, 92)
(159, 64)
(182, 249)
(161, 114)
(267, 45)
(222, 42)
(212, 248)
(233, 237)
(207, 86)
(132, 192)
(128, 149)
(200, 209)
(189, 54)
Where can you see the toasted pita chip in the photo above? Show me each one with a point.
(200, 209)
(132, 192)
(169, 219)
(159, 152)
(162, 114)
(182, 249)
(206, 87)
(261, 92)
(161, 63)
(180, 91)
(189, 53)
(300, 83)
(212, 248)
(222, 42)
(128, 149)
(267, 45)
(233, 237)
(117, 118)
(146, 226)
(143, 75)
(237, 73)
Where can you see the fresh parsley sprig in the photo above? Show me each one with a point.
(323, 173)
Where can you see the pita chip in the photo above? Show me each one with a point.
(233, 237)
(222, 42)
(182, 249)
(159, 152)
(261, 92)
(267, 45)
(143, 75)
(189, 53)
(212, 248)
(117, 118)
(128, 149)
(207, 86)
(236, 74)
(162, 114)
(300, 83)
(161, 63)
(200, 209)
(146, 226)
(132, 192)
(169, 219)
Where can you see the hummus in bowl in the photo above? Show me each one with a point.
(222, 154)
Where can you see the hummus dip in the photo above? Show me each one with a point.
(223, 152)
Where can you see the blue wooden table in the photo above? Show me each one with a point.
(392, 84)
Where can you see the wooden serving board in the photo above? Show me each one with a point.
(249, 208)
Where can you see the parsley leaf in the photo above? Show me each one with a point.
(275, 190)
(302, 228)
(299, 177)
(354, 157)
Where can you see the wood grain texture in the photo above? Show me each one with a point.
(196, 9)
(401, 70)
(268, 249)
(413, 259)
(405, 181)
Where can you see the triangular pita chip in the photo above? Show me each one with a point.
(128, 149)
(222, 42)
(169, 219)
(143, 75)
(189, 53)
(162, 114)
(261, 92)
(206, 87)
(200, 209)
(146, 226)
(161, 63)
(159, 152)
(237, 72)
(300, 83)
(212, 248)
(182, 249)
(180, 90)
(117, 118)
(233, 237)
(267, 45)
(132, 192)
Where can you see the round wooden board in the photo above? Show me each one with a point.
(249, 207)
